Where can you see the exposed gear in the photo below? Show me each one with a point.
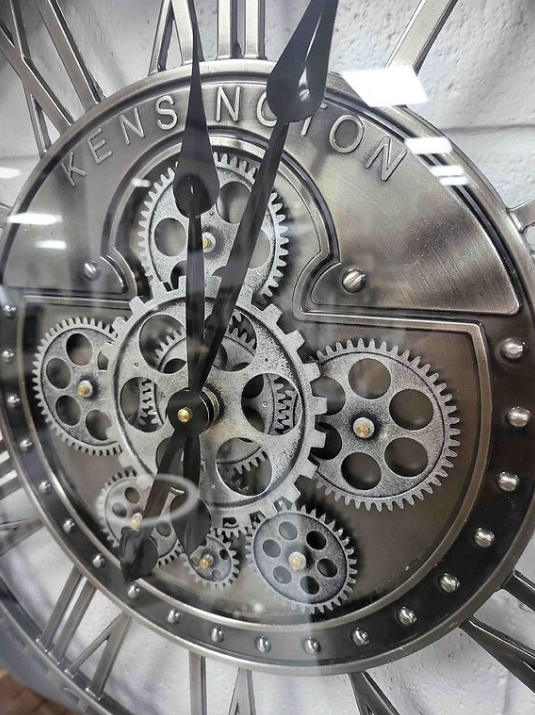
(72, 386)
(124, 496)
(164, 230)
(214, 563)
(276, 353)
(391, 425)
(305, 558)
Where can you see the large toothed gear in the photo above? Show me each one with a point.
(391, 425)
(276, 353)
(124, 496)
(164, 230)
(214, 563)
(305, 558)
(72, 385)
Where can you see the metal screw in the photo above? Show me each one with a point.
(263, 645)
(91, 270)
(217, 635)
(508, 482)
(133, 591)
(363, 428)
(85, 389)
(513, 348)
(136, 520)
(69, 526)
(99, 561)
(297, 561)
(311, 646)
(360, 637)
(448, 583)
(206, 561)
(173, 617)
(484, 538)
(44, 487)
(208, 242)
(13, 401)
(185, 414)
(26, 444)
(9, 310)
(406, 616)
(8, 356)
(519, 417)
(354, 280)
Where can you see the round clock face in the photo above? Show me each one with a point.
(287, 421)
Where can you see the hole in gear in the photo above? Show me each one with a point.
(361, 471)
(68, 410)
(58, 373)
(98, 424)
(79, 349)
(232, 201)
(170, 237)
(406, 457)
(411, 409)
(332, 391)
(369, 378)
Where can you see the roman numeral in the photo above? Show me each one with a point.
(66, 617)
(369, 697)
(40, 98)
(174, 17)
(250, 15)
(421, 32)
(243, 702)
(516, 657)
(524, 215)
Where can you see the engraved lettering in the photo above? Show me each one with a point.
(260, 112)
(383, 149)
(166, 111)
(135, 126)
(308, 122)
(355, 142)
(232, 107)
(95, 148)
(70, 170)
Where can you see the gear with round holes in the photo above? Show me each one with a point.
(124, 496)
(164, 229)
(305, 558)
(233, 503)
(214, 563)
(391, 434)
(72, 386)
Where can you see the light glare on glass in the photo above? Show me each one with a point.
(389, 87)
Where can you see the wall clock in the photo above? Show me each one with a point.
(267, 340)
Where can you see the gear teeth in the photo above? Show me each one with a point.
(312, 371)
(295, 340)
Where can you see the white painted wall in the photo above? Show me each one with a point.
(479, 77)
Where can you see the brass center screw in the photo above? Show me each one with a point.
(185, 414)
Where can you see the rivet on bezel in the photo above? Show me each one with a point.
(44, 487)
(484, 538)
(217, 635)
(449, 583)
(91, 270)
(354, 280)
(508, 481)
(173, 617)
(8, 356)
(518, 417)
(263, 644)
(133, 591)
(13, 401)
(69, 526)
(360, 637)
(26, 444)
(311, 646)
(99, 561)
(406, 616)
(9, 310)
(513, 348)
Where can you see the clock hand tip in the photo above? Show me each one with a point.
(138, 556)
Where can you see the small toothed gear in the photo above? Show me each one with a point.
(305, 558)
(124, 496)
(214, 563)
(164, 230)
(391, 426)
(71, 385)
(276, 352)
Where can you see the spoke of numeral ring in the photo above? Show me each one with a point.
(249, 15)
(524, 215)
(369, 697)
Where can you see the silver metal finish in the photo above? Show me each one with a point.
(173, 617)
(354, 280)
(396, 381)
(214, 563)
(263, 644)
(91, 270)
(243, 701)
(508, 482)
(8, 356)
(519, 417)
(449, 583)
(406, 616)
(164, 230)
(422, 31)
(4, 213)
(45, 487)
(13, 402)
(360, 637)
(217, 635)
(26, 444)
(513, 348)
(69, 526)
(484, 538)
(9, 310)
(328, 573)
(174, 16)
(311, 646)
(524, 215)
(99, 561)
(133, 591)
(241, 36)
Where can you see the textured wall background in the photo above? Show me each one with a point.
(479, 78)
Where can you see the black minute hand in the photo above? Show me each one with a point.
(296, 88)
